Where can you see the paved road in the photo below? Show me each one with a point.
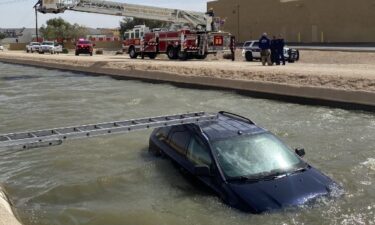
(334, 48)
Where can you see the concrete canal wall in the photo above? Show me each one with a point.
(6, 214)
(350, 86)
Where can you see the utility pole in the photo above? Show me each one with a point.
(36, 24)
(238, 21)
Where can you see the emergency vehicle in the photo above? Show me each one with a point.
(182, 44)
(198, 34)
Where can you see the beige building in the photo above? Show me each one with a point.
(307, 21)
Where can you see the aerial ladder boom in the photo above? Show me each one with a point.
(51, 137)
(123, 9)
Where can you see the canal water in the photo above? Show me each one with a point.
(114, 181)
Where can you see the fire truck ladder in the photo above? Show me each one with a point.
(52, 137)
(123, 9)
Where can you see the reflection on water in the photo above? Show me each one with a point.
(114, 180)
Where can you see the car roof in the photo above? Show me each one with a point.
(228, 125)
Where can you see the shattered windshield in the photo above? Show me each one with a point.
(255, 156)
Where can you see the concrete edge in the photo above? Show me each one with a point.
(7, 216)
(302, 94)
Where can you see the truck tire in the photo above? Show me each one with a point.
(182, 55)
(172, 53)
(249, 56)
(132, 53)
(297, 57)
(27, 51)
(201, 57)
(77, 53)
(152, 55)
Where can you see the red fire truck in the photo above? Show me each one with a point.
(182, 44)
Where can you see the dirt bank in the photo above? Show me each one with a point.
(333, 71)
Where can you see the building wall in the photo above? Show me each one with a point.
(308, 21)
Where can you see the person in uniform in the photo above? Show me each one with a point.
(265, 53)
(274, 51)
(210, 14)
(280, 49)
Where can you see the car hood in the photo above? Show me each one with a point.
(291, 190)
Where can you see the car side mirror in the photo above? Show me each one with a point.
(300, 152)
(203, 171)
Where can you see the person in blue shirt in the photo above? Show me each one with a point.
(265, 46)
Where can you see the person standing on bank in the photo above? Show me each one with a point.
(274, 51)
(280, 49)
(265, 53)
(210, 14)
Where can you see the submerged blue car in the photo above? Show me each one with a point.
(248, 167)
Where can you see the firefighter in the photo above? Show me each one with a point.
(265, 53)
(274, 51)
(280, 49)
(210, 14)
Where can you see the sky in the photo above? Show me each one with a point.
(20, 13)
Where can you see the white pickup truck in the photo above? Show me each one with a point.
(50, 47)
(32, 47)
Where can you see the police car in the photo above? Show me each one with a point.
(248, 167)
(251, 52)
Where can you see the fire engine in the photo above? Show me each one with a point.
(182, 44)
(193, 34)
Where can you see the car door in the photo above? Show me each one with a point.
(256, 50)
(198, 154)
(179, 138)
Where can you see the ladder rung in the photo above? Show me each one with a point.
(76, 129)
(5, 138)
(42, 138)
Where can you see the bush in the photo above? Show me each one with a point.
(65, 51)
(99, 52)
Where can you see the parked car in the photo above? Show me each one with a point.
(251, 51)
(248, 167)
(84, 47)
(50, 47)
(1, 48)
(33, 47)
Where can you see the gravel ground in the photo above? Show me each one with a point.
(338, 70)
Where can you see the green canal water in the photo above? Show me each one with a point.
(115, 181)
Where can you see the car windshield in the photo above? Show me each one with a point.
(47, 43)
(35, 44)
(255, 156)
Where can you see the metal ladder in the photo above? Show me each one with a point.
(52, 137)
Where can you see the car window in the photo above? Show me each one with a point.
(255, 155)
(256, 44)
(162, 133)
(180, 139)
(126, 36)
(198, 153)
(247, 44)
(137, 33)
